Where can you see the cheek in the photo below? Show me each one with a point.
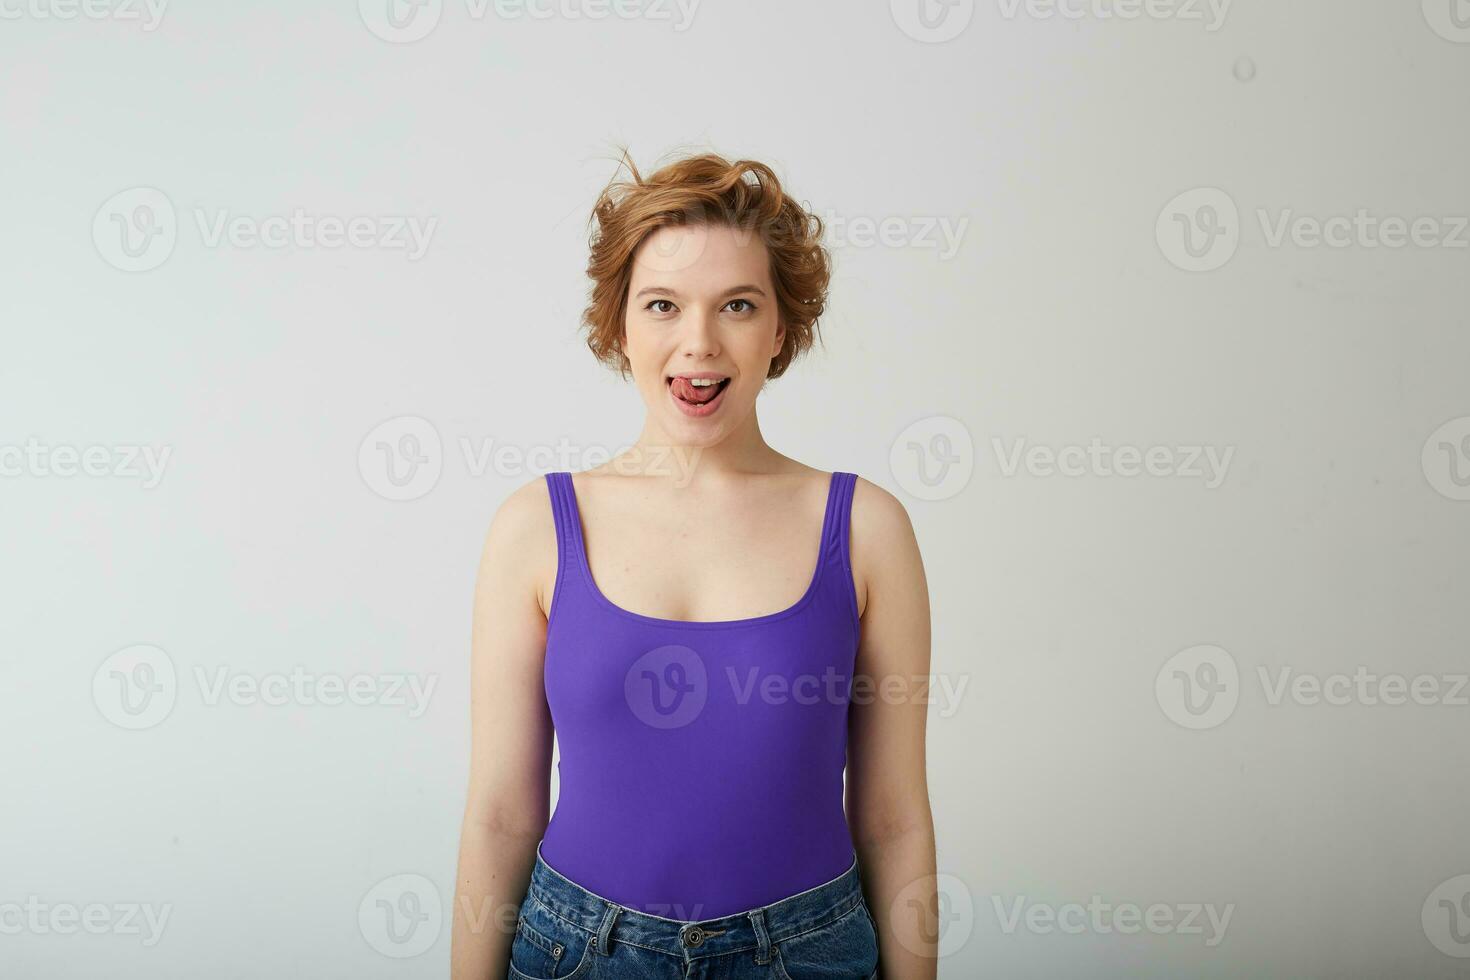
(639, 337)
(759, 345)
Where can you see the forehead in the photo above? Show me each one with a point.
(700, 255)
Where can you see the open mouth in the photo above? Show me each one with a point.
(697, 396)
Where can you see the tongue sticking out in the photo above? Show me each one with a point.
(697, 396)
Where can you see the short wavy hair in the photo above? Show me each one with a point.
(704, 188)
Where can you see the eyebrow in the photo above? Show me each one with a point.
(661, 291)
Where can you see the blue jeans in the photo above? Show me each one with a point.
(564, 932)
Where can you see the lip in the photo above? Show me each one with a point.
(697, 411)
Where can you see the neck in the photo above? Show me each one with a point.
(658, 454)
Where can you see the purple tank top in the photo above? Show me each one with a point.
(701, 767)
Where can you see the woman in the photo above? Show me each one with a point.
(661, 614)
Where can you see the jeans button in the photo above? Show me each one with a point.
(693, 936)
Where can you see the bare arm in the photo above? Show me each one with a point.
(507, 803)
(887, 786)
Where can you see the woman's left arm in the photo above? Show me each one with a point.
(887, 786)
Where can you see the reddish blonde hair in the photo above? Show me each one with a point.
(706, 188)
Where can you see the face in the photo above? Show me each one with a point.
(701, 330)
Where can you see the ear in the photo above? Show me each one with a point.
(780, 340)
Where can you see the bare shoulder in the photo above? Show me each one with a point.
(520, 544)
(879, 517)
(883, 543)
(524, 515)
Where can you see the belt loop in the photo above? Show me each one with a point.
(603, 941)
(758, 923)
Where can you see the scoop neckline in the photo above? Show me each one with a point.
(605, 602)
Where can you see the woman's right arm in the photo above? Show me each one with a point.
(508, 800)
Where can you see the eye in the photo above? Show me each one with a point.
(750, 306)
(654, 303)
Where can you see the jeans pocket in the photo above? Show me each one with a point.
(844, 949)
(547, 947)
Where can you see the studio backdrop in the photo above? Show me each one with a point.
(1152, 314)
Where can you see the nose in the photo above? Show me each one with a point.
(697, 336)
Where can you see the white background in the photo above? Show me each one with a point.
(1335, 540)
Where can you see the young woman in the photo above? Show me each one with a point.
(713, 631)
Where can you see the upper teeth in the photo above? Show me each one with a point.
(703, 382)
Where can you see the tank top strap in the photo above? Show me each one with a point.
(838, 520)
(569, 553)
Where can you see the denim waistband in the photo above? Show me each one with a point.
(696, 939)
